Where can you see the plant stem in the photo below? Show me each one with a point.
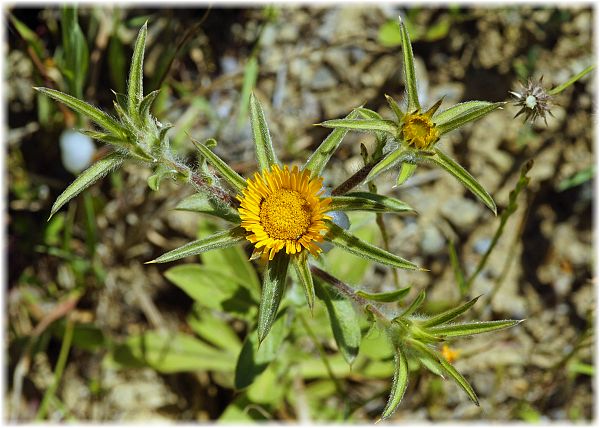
(569, 82)
(353, 181)
(347, 291)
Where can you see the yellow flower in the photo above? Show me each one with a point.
(419, 131)
(449, 354)
(284, 209)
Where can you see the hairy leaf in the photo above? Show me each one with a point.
(232, 177)
(365, 125)
(205, 204)
(457, 116)
(387, 297)
(399, 384)
(468, 329)
(272, 292)
(365, 201)
(300, 262)
(416, 304)
(136, 74)
(410, 78)
(395, 108)
(390, 160)
(265, 152)
(450, 314)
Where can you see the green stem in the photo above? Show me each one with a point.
(58, 370)
(560, 88)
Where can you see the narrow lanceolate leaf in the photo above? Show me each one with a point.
(265, 153)
(107, 138)
(445, 367)
(450, 314)
(352, 244)
(399, 384)
(464, 177)
(391, 296)
(317, 161)
(86, 179)
(95, 114)
(395, 108)
(365, 201)
(368, 113)
(366, 125)
(232, 177)
(457, 110)
(223, 239)
(407, 169)
(410, 78)
(146, 103)
(416, 304)
(390, 160)
(272, 292)
(204, 204)
(136, 74)
(345, 323)
(447, 122)
(300, 262)
(471, 328)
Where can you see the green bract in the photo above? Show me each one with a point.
(416, 133)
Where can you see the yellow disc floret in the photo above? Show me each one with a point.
(284, 209)
(419, 131)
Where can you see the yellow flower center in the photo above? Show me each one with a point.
(419, 131)
(283, 209)
(285, 214)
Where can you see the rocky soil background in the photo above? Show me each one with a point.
(317, 63)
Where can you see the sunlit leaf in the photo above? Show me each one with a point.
(205, 204)
(390, 160)
(366, 201)
(410, 78)
(450, 314)
(416, 304)
(300, 262)
(468, 329)
(388, 297)
(399, 384)
(136, 74)
(366, 125)
(273, 287)
(232, 177)
(265, 153)
(458, 115)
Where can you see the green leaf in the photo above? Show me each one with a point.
(214, 330)
(232, 177)
(146, 103)
(366, 125)
(300, 262)
(446, 367)
(344, 321)
(416, 304)
(450, 314)
(450, 119)
(573, 79)
(366, 201)
(272, 292)
(317, 161)
(390, 160)
(368, 113)
(387, 297)
(464, 177)
(96, 115)
(388, 35)
(395, 107)
(254, 359)
(212, 288)
(29, 36)
(206, 204)
(86, 179)
(407, 169)
(458, 273)
(160, 173)
(136, 74)
(265, 153)
(250, 76)
(399, 384)
(75, 51)
(107, 138)
(222, 239)
(348, 242)
(410, 78)
(171, 352)
(471, 328)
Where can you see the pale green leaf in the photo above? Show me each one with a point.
(387, 297)
(317, 161)
(464, 177)
(146, 103)
(399, 384)
(366, 125)
(95, 114)
(368, 113)
(410, 78)
(350, 243)
(265, 153)
(407, 169)
(446, 122)
(395, 108)
(390, 160)
(416, 304)
(345, 323)
(273, 288)
(222, 239)
(206, 204)
(450, 314)
(365, 201)
(136, 74)
(300, 262)
(457, 110)
(468, 329)
(171, 352)
(86, 179)
(214, 330)
(232, 177)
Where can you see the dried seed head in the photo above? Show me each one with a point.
(533, 100)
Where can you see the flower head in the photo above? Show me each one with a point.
(419, 131)
(533, 100)
(284, 209)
